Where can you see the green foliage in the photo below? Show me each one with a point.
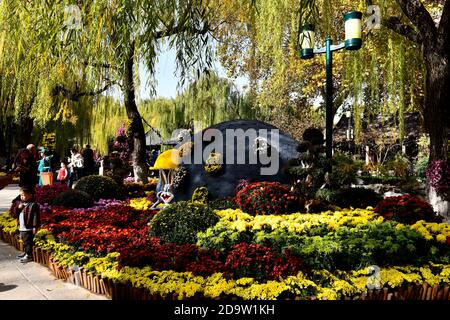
(180, 222)
(400, 165)
(100, 187)
(329, 195)
(323, 245)
(364, 245)
(350, 197)
(343, 172)
(73, 199)
(222, 204)
(421, 167)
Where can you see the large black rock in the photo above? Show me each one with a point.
(223, 184)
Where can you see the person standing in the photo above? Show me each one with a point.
(76, 166)
(27, 214)
(25, 164)
(63, 174)
(43, 166)
(88, 158)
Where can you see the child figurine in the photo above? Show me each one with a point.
(63, 174)
(26, 211)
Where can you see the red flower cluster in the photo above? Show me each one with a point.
(123, 229)
(267, 198)
(254, 260)
(46, 194)
(171, 256)
(406, 209)
(100, 231)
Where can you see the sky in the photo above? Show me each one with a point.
(167, 80)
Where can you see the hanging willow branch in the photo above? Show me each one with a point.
(76, 95)
(395, 24)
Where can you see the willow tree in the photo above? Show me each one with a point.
(85, 48)
(205, 102)
(416, 24)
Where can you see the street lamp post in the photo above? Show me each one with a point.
(353, 41)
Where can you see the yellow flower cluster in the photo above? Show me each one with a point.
(140, 203)
(432, 230)
(7, 223)
(322, 284)
(347, 284)
(297, 222)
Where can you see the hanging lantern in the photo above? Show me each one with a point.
(307, 41)
(353, 30)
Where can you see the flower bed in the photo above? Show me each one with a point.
(109, 251)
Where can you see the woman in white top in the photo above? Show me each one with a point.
(75, 166)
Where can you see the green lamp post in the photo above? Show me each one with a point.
(353, 41)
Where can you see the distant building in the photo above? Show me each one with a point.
(153, 138)
(373, 131)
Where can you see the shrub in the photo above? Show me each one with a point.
(223, 204)
(400, 165)
(73, 199)
(259, 262)
(267, 198)
(180, 222)
(405, 209)
(421, 167)
(364, 245)
(344, 170)
(99, 187)
(357, 198)
(47, 194)
(329, 195)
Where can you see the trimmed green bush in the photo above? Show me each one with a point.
(100, 187)
(73, 199)
(180, 222)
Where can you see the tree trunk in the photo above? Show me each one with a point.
(2, 141)
(436, 114)
(24, 131)
(136, 127)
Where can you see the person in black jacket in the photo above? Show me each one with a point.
(27, 213)
(89, 162)
(25, 165)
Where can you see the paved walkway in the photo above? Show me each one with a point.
(6, 195)
(32, 281)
